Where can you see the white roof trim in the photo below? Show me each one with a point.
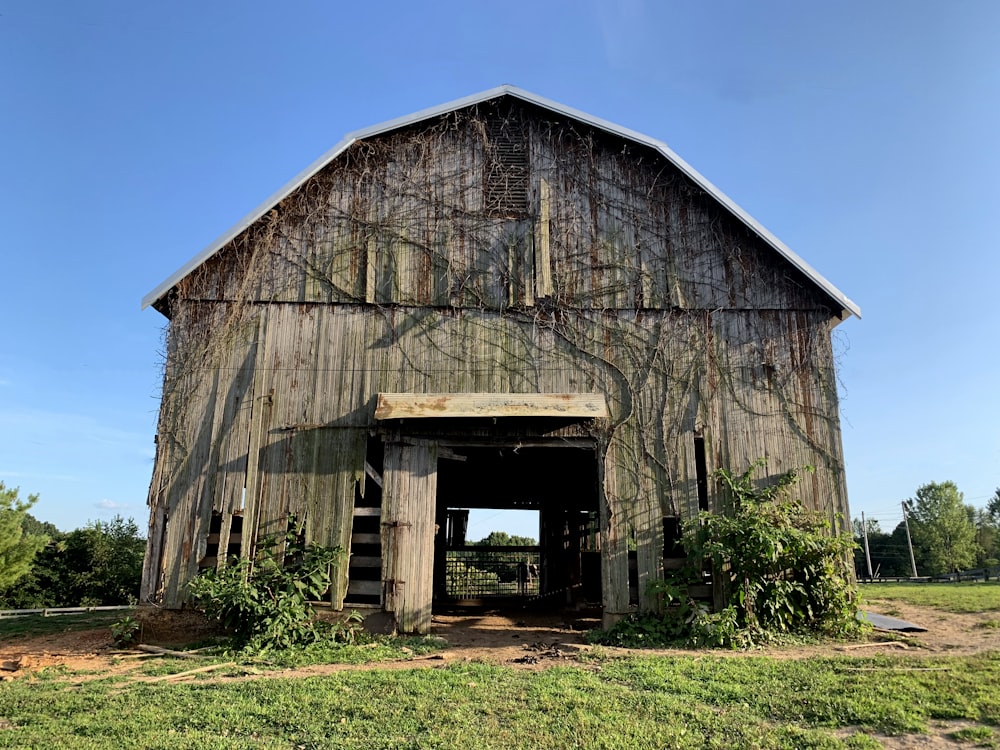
(506, 90)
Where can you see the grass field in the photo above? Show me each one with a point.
(948, 597)
(25, 625)
(702, 700)
(689, 702)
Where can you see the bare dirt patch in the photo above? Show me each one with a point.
(525, 640)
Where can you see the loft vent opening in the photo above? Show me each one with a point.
(505, 189)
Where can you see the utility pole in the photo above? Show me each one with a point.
(868, 554)
(909, 542)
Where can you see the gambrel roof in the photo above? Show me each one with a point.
(838, 299)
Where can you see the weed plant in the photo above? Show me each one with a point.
(785, 574)
(264, 602)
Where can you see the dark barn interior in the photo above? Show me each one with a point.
(561, 484)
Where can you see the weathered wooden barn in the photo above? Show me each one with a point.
(500, 302)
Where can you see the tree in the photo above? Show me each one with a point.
(98, 564)
(105, 562)
(503, 539)
(993, 506)
(944, 538)
(17, 549)
(987, 538)
(858, 529)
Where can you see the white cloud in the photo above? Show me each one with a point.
(107, 504)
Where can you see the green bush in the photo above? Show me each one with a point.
(783, 571)
(265, 601)
(125, 632)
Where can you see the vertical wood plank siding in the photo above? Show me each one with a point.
(409, 502)
(385, 272)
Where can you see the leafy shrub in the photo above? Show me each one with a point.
(99, 564)
(784, 573)
(787, 573)
(125, 632)
(266, 603)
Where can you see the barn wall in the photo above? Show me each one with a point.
(284, 409)
(495, 249)
(405, 219)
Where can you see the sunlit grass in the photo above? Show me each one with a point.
(699, 701)
(681, 702)
(948, 597)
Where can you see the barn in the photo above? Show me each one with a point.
(497, 303)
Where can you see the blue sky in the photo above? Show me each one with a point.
(863, 134)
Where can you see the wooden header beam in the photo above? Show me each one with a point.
(423, 405)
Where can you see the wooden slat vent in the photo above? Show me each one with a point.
(505, 192)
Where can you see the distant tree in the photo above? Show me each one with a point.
(993, 507)
(98, 564)
(105, 562)
(987, 538)
(944, 538)
(873, 529)
(503, 539)
(32, 525)
(17, 548)
(889, 552)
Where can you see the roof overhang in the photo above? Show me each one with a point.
(847, 307)
(451, 405)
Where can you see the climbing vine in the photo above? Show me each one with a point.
(658, 297)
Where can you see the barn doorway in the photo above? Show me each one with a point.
(550, 563)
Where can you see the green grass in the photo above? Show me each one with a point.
(687, 702)
(35, 625)
(978, 736)
(704, 700)
(948, 597)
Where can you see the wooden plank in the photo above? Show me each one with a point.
(364, 588)
(359, 538)
(614, 544)
(700, 591)
(370, 251)
(376, 477)
(543, 261)
(420, 405)
(368, 512)
(363, 561)
(408, 503)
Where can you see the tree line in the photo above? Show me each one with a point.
(41, 566)
(948, 535)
